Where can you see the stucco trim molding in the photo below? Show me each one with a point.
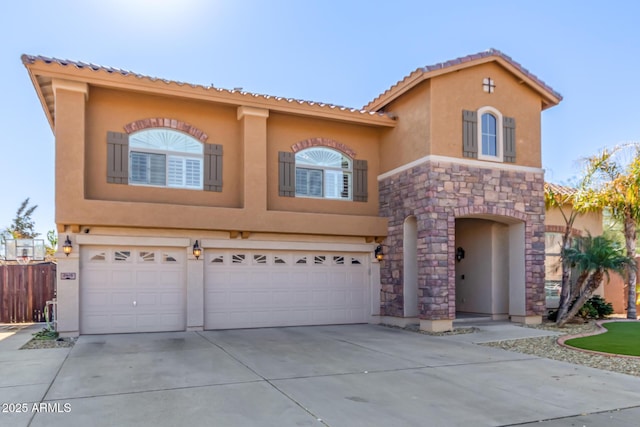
(287, 246)
(89, 239)
(70, 86)
(454, 160)
(160, 122)
(323, 142)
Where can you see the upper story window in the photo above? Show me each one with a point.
(487, 135)
(166, 158)
(490, 134)
(323, 172)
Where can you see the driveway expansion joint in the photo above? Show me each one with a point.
(266, 380)
(567, 417)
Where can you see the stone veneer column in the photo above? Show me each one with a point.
(436, 193)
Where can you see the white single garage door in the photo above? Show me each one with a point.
(250, 289)
(132, 289)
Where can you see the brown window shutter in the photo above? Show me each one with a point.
(470, 134)
(509, 137)
(286, 174)
(360, 193)
(212, 167)
(117, 158)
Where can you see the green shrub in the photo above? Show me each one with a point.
(45, 334)
(588, 311)
(602, 307)
(595, 308)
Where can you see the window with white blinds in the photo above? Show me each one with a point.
(323, 172)
(163, 157)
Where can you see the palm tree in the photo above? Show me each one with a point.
(593, 258)
(613, 179)
(567, 201)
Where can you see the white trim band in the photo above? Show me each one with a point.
(453, 160)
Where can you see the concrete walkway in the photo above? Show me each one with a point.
(354, 375)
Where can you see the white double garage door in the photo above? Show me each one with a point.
(133, 289)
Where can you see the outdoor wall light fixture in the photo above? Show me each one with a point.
(459, 254)
(197, 250)
(67, 247)
(379, 254)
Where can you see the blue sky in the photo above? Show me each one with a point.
(336, 51)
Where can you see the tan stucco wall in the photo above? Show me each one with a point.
(454, 92)
(109, 110)
(430, 116)
(250, 169)
(409, 139)
(284, 131)
(590, 222)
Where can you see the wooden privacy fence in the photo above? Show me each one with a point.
(24, 291)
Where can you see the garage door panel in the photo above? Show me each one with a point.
(337, 297)
(132, 290)
(121, 299)
(146, 300)
(274, 288)
(122, 322)
(237, 298)
(98, 299)
(169, 278)
(299, 298)
(122, 278)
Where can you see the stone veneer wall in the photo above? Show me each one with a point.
(438, 192)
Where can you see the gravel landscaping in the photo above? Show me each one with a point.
(549, 348)
(36, 344)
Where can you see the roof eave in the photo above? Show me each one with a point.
(549, 98)
(41, 97)
(104, 78)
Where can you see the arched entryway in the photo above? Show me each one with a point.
(490, 266)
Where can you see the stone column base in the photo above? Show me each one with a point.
(436, 325)
(527, 320)
(401, 322)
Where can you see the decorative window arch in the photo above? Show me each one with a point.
(323, 172)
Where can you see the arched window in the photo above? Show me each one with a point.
(490, 139)
(166, 158)
(489, 135)
(323, 172)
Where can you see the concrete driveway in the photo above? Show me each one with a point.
(360, 375)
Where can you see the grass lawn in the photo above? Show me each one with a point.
(620, 338)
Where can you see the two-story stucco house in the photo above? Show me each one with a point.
(285, 201)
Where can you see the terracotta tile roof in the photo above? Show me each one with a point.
(458, 61)
(31, 59)
(562, 190)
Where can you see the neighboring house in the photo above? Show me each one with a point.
(555, 226)
(289, 199)
(613, 289)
